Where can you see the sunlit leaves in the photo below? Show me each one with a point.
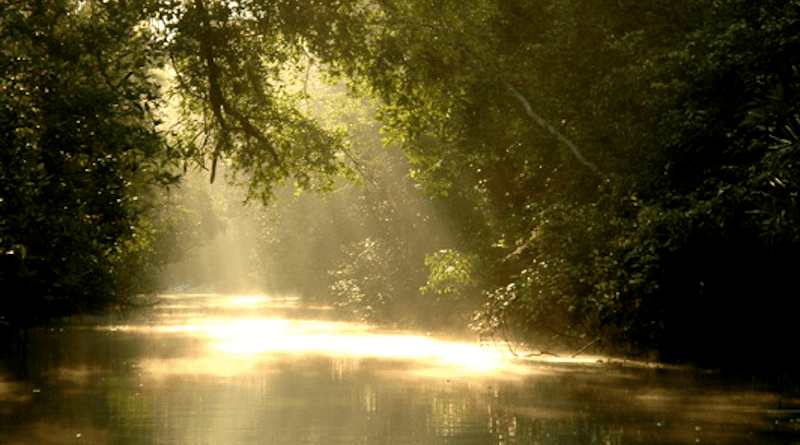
(234, 63)
(452, 273)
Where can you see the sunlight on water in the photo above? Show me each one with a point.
(343, 339)
(231, 344)
(263, 301)
(252, 369)
(235, 329)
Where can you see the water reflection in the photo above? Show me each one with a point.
(207, 369)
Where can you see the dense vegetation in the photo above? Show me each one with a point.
(621, 173)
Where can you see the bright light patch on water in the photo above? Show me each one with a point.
(230, 334)
(262, 301)
(248, 370)
(343, 339)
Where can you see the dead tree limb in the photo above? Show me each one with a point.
(557, 134)
(587, 346)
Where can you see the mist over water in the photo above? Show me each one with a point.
(256, 369)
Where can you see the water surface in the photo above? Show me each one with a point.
(212, 369)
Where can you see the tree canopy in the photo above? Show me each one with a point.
(617, 171)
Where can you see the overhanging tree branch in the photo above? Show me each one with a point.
(220, 106)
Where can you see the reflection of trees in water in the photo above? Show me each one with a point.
(168, 382)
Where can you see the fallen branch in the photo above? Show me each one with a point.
(587, 346)
(541, 353)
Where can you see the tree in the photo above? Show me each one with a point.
(527, 119)
(229, 60)
(716, 239)
(601, 156)
(595, 157)
(83, 139)
(80, 143)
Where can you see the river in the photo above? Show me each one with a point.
(213, 369)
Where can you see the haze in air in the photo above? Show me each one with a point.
(561, 181)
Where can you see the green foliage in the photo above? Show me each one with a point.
(461, 83)
(451, 272)
(623, 170)
(722, 196)
(79, 144)
(603, 159)
(231, 62)
(365, 286)
(451, 294)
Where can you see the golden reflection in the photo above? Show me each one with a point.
(260, 301)
(207, 375)
(13, 392)
(345, 339)
(230, 344)
(205, 366)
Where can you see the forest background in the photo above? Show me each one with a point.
(558, 174)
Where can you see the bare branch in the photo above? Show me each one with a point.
(558, 135)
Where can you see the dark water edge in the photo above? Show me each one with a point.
(79, 380)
